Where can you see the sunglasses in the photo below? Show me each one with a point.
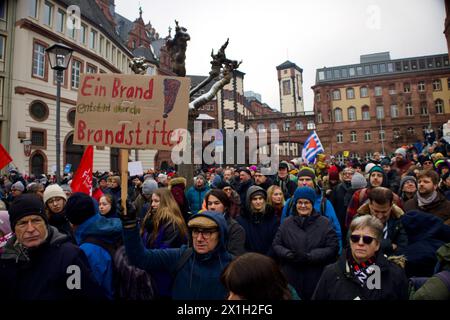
(366, 239)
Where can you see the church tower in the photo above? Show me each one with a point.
(290, 83)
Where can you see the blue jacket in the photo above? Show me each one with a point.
(329, 213)
(198, 278)
(195, 197)
(105, 229)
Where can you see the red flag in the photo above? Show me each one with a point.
(5, 158)
(82, 180)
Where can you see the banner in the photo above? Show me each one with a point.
(82, 180)
(312, 147)
(5, 158)
(130, 111)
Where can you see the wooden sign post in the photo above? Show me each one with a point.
(130, 112)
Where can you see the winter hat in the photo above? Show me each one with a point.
(307, 172)
(254, 191)
(358, 181)
(79, 208)
(26, 205)
(18, 186)
(376, 169)
(253, 168)
(223, 184)
(53, 191)
(246, 171)
(283, 165)
(369, 166)
(5, 226)
(333, 173)
(385, 162)
(304, 193)
(406, 178)
(162, 177)
(202, 221)
(149, 186)
(401, 151)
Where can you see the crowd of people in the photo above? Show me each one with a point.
(378, 230)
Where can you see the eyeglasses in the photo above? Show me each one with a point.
(366, 239)
(206, 233)
(348, 173)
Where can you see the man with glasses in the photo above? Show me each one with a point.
(195, 270)
(40, 263)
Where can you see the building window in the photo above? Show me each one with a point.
(340, 137)
(351, 72)
(38, 60)
(367, 135)
(396, 133)
(364, 92)
(48, 11)
(113, 55)
(83, 33)
(338, 115)
(382, 67)
(353, 136)
(91, 69)
(350, 93)
(287, 125)
(261, 127)
(394, 111)
(100, 48)
(321, 75)
(365, 113)
(409, 109)
(286, 87)
(336, 94)
(38, 111)
(421, 86)
(366, 70)
(2, 49)
(38, 138)
(71, 117)
(437, 85)
(299, 125)
(60, 20)
(71, 31)
(380, 112)
(378, 91)
(354, 155)
(368, 156)
(392, 89)
(317, 96)
(33, 8)
(337, 74)
(92, 39)
(390, 67)
(439, 106)
(407, 87)
(423, 109)
(359, 71)
(273, 126)
(381, 135)
(410, 131)
(351, 112)
(319, 117)
(76, 70)
(310, 125)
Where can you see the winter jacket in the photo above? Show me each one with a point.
(287, 186)
(329, 213)
(440, 207)
(340, 202)
(107, 230)
(426, 233)
(339, 283)
(60, 222)
(198, 278)
(260, 228)
(42, 273)
(268, 183)
(235, 207)
(177, 187)
(395, 231)
(401, 167)
(305, 245)
(236, 237)
(195, 197)
(242, 191)
(393, 179)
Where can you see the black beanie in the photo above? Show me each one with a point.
(26, 205)
(79, 208)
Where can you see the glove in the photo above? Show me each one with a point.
(129, 220)
(301, 257)
(290, 256)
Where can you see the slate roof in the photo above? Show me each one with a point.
(287, 65)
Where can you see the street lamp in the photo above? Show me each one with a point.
(59, 56)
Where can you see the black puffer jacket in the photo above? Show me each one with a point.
(338, 283)
(42, 273)
(304, 246)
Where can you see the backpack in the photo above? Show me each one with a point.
(416, 282)
(129, 282)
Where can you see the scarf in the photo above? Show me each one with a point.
(426, 201)
(361, 271)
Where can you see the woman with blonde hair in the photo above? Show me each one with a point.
(275, 198)
(163, 227)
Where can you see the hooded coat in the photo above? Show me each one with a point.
(107, 230)
(260, 228)
(196, 195)
(338, 283)
(313, 236)
(41, 273)
(198, 278)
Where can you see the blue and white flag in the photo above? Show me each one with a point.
(312, 147)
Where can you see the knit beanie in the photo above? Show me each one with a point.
(406, 178)
(386, 161)
(149, 186)
(26, 205)
(304, 193)
(18, 186)
(401, 151)
(333, 173)
(307, 172)
(369, 166)
(358, 181)
(376, 169)
(79, 208)
(53, 191)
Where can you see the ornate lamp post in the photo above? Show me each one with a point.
(59, 56)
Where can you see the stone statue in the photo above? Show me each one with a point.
(177, 50)
(138, 65)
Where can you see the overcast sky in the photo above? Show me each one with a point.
(312, 34)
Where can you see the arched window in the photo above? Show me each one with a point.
(38, 163)
(350, 93)
(351, 114)
(74, 153)
(338, 115)
(365, 113)
(273, 126)
(261, 127)
(336, 94)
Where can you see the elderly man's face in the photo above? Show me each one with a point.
(259, 178)
(205, 240)
(227, 174)
(31, 231)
